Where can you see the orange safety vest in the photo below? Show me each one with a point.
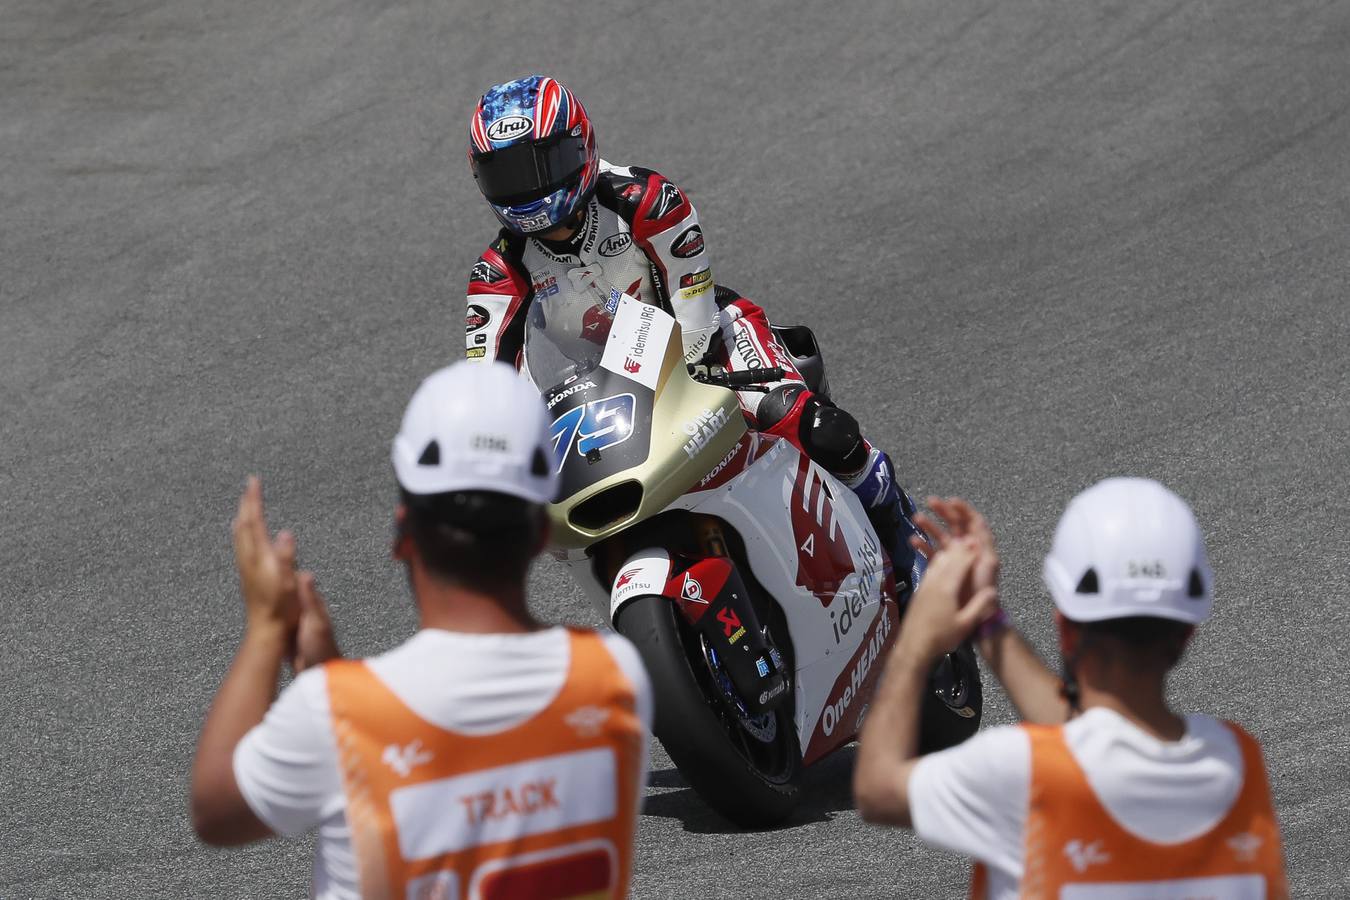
(545, 809)
(1076, 850)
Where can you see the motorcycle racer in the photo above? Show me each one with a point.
(576, 224)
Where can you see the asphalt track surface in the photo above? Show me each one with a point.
(1041, 243)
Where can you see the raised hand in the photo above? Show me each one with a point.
(962, 522)
(267, 577)
(315, 642)
(948, 604)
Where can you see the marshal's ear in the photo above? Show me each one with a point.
(1069, 634)
(402, 549)
(543, 529)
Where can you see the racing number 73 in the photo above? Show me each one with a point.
(595, 426)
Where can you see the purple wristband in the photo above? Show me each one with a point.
(993, 625)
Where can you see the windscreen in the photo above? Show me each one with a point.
(565, 336)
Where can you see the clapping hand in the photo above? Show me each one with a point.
(315, 642)
(948, 605)
(278, 600)
(962, 522)
(959, 592)
(267, 576)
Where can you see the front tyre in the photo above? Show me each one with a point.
(746, 768)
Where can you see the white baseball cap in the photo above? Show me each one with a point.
(1129, 547)
(475, 426)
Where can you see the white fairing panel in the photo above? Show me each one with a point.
(800, 524)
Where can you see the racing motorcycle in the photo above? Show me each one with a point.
(750, 579)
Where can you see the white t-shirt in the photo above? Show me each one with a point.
(287, 767)
(973, 797)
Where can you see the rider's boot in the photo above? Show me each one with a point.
(891, 512)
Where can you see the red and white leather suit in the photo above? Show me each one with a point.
(639, 233)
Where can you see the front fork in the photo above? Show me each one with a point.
(713, 599)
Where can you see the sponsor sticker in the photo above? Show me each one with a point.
(851, 605)
(509, 127)
(839, 705)
(694, 292)
(694, 279)
(762, 667)
(475, 318)
(717, 469)
(637, 342)
(545, 287)
(475, 353)
(723, 471)
(615, 244)
(646, 575)
(538, 222)
(703, 429)
(766, 696)
(731, 624)
(749, 351)
(689, 244)
(574, 389)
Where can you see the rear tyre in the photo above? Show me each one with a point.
(953, 703)
(747, 769)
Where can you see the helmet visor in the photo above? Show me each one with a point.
(529, 171)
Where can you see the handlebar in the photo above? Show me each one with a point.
(745, 379)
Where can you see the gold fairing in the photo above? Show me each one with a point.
(668, 471)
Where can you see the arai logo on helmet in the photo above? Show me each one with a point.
(509, 127)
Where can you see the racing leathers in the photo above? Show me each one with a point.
(640, 234)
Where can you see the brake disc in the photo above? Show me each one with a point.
(764, 727)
